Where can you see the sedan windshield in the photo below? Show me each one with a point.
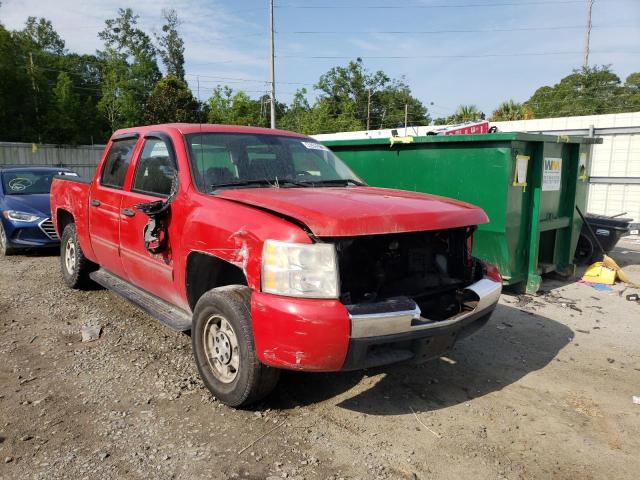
(241, 160)
(29, 182)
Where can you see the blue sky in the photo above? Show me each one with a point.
(227, 39)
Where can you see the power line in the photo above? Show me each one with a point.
(481, 55)
(435, 32)
(422, 6)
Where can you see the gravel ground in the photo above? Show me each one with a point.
(543, 391)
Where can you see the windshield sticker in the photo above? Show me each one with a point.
(68, 174)
(314, 146)
(19, 184)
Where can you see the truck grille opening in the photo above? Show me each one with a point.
(432, 268)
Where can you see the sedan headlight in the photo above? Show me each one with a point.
(300, 270)
(16, 216)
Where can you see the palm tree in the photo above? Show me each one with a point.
(511, 110)
(466, 113)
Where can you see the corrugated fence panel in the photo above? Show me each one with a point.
(611, 199)
(81, 159)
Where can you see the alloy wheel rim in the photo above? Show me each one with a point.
(3, 238)
(221, 348)
(70, 256)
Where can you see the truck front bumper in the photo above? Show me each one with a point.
(325, 335)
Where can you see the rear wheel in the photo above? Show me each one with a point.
(75, 266)
(224, 350)
(585, 251)
(5, 249)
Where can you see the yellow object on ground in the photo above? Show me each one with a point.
(606, 271)
(599, 273)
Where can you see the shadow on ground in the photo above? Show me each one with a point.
(511, 345)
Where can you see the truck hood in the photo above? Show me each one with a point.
(352, 211)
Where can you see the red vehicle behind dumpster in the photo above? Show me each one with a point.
(272, 253)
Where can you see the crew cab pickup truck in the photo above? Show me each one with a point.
(271, 253)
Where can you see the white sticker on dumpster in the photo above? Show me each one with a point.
(551, 174)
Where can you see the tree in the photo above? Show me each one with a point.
(465, 113)
(510, 110)
(586, 91)
(172, 101)
(632, 92)
(41, 33)
(64, 114)
(373, 98)
(171, 45)
(112, 103)
(237, 108)
(127, 45)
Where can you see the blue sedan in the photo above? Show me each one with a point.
(25, 209)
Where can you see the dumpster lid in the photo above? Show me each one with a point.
(485, 137)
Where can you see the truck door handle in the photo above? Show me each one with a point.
(127, 212)
(95, 203)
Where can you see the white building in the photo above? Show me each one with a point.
(614, 183)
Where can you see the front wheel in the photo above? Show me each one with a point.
(75, 266)
(224, 350)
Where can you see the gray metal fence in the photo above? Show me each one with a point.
(81, 159)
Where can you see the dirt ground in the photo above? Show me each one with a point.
(543, 391)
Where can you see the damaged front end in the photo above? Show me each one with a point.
(411, 295)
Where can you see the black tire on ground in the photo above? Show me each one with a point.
(4, 249)
(222, 317)
(586, 252)
(74, 265)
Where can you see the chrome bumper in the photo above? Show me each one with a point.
(486, 293)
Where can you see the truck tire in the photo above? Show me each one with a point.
(5, 249)
(224, 350)
(75, 266)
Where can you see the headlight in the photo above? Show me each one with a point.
(16, 216)
(300, 270)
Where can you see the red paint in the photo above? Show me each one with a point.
(300, 333)
(350, 211)
(305, 334)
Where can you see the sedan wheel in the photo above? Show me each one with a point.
(5, 249)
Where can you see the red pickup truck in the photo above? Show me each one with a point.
(271, 253)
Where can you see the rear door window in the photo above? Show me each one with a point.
(116, 164)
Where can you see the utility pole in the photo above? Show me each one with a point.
(368, 108)
(588, 34)
(33, 82)
(384, 112)
(273, 68)
(406, 116)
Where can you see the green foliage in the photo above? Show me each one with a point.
(236, 108)
(131, 68)
(510, 110)
(31, 89)
(171, 45)
(464, 113)
(172, 101)
(354, 92)
(587, 91)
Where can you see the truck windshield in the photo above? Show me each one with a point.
(29, 182)
(241, 160)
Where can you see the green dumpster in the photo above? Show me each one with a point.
(528, 184)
